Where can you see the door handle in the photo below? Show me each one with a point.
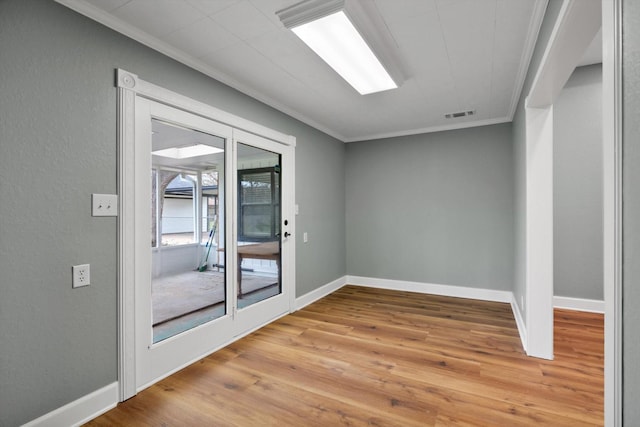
(286, 234)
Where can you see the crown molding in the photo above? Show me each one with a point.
(430, 129)
(108, 20)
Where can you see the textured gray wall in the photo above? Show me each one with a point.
(433, 208)
(577, 186)
(57, 146)
(631, 210)
(320, 194)
(519, 154)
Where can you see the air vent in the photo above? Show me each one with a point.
(460, 114)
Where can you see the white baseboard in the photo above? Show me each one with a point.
(579, 304)
(81, 410)
(522, 327)
(430, 288)
(321, 292)
(450, 291)
(100, 401)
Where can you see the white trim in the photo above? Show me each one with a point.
(527, 52)
(319, 293)
(430, 129)
(576, 25)
(431, 288)
(579, 304)
(539, 232)
(134, 94)
(522, 326)
(574, 30)
(126, 246)
(612, 218)
(80, 410)
(448, 291)
(292, 218)
(425, 288)
(165, 96)
(110, 21)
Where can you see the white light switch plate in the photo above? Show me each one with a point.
(104, 205)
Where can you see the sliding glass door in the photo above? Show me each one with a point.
(211, 240)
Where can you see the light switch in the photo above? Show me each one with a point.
(104, 204)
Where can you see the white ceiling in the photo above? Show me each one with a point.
(593, 54)
(457, 55)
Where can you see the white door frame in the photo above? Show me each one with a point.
(158, 360)
(612, 214)
(130, 87)
(577, 23)
(262, 311)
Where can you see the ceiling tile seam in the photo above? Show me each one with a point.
(118, 7)
(209, 15)
(446, 48)
(312, 89)
(262, 12)
(275, 64)
(196, 11)
(535, 24)
(493, 55)
(202, 18)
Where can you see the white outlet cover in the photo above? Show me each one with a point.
(81, 275)
(104, 205)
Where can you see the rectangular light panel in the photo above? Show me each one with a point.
(339, 44)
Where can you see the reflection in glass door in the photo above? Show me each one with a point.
(259, 212)
(188, 286)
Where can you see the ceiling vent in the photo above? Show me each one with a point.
(459, 114)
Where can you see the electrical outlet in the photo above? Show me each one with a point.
(81, 275)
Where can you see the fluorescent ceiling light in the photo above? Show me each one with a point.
(188, 151)
(329, 29)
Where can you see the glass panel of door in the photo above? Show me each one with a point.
(188, 282)
(258, 246)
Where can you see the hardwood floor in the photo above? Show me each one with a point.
(374, 357)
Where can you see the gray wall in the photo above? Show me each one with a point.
(57, 146)
(577, 186)
(631, 210)
(433, 208)
(519, 155)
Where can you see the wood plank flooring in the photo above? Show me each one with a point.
(370, 357)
